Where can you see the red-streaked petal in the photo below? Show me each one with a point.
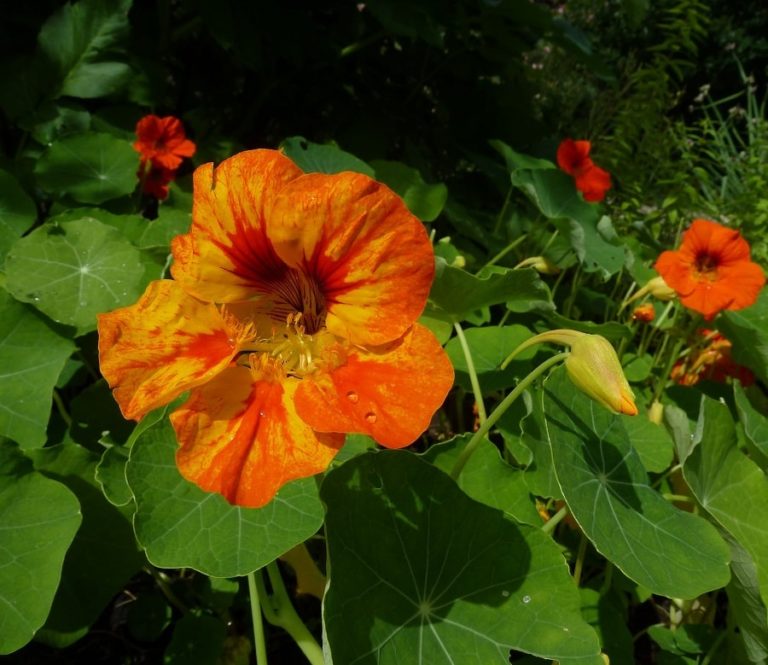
(356, 239)
(573, 156)
(164, 344)
(243, 439)
(227, 256)
(390, 393)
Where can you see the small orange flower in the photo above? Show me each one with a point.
(712, 271)
(163, 141)
(592, 181)
(712, 362)
(645, 313)
(155, 179)
(291, 320)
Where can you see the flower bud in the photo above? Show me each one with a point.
(645, 313)
(659, 289)
(594, 368)
(540, 264)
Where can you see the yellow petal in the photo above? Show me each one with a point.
(164, 344)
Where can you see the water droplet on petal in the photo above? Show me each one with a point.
(370, 417)
(353, 397)
(261, 413)
(526, 599)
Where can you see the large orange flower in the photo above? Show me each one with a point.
(592, 181)
(291, 319)
(712, 271)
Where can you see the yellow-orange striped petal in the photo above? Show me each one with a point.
(164, 344)
(243, 439)
(355, 238)
(226, 256)
(390, 393)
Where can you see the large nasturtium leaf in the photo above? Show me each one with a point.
(32, 355)
(652, 443)
(423, 200)
(39, 518)
(487, 478)
(80, 40)
(103, 556)
(91, 168)
(181, 526)
(746, 606)
(17, 211)
(322, 158)
(747, 329)
(755, 426)
(432, 576)
(74, 271)
(671, 552)
(457, 293)
(730, 486)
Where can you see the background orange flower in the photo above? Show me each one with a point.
(712, 271)
(163, 141)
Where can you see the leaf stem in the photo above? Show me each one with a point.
(61, 408)
(279, 611)
(579, 566)
(559, 516)
(260, 643)
(499, 411)
(481, 413)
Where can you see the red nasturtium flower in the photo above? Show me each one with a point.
(291, 319)
(155, 179)
(713, 362)
(711, 271)
(162, 141)
(592, 181)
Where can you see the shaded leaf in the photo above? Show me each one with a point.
(747, 329)
(181, 526)
(317, 158)
(32, 355)
(673, 553)
(40, 518)
(746, 606)
(196, 639)
(91, 168)
(755, 426)
(432, 576)
(74, 271)
(423, 200)
(17, 211)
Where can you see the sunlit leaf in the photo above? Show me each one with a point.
(91, 168)
(652, 443)
(74, 271)
(80, 40)
(181, 526)
(671, 552)
(755, 426)
(730, 486)
(746, 605)
(39, 519)
(432, 576)
(32, 354)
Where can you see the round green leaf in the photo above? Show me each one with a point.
(181, 526)
(74, 271)
(432, 576)
(423, 200)
(32, 355)
(39, 520)
(91, 168)
(318, 158)
(671, 552)
(17, 211)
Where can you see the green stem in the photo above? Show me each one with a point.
(260, 643)
(162, 582)
(579, 567)
(713, 650)
(481, 413)
(500, 216)
(682, 498)
(61, 408)
(504, 252)
(499, 411)
(559, 516)
(279, 611)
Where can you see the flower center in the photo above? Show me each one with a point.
(299, 295)
(705, 267)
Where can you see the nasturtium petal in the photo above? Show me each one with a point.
(389, 392)
(370, 256)
(226, 256)
(74, 271)
(39, 519)
(671, 552)
(162, 345)
(432, 576)
(32, 355)
(242, 438)
(181, 526)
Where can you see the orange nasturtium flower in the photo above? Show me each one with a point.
(713, 362)
(645, 313)
(162, 141)
(711, 271)
(291, 319)
(592, 181)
